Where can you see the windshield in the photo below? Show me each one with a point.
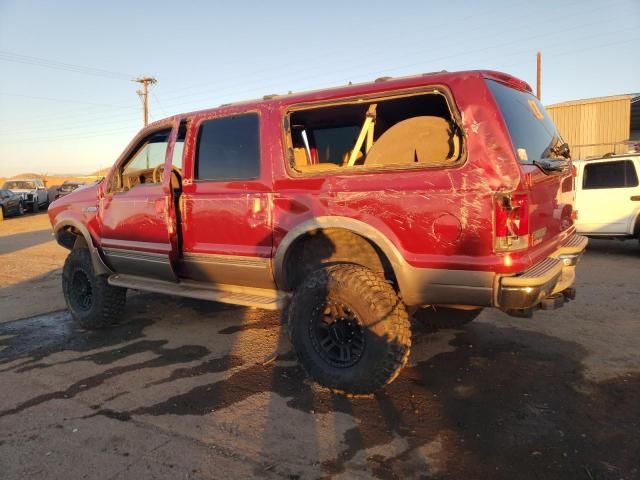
(19, 185)
(532, 131)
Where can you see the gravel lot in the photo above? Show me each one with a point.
(188, 389)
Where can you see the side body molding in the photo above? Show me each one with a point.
(98, 264)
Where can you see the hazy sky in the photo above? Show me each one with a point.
(78, 116)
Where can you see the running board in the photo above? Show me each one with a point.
(233, 294)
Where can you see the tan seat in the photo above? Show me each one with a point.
(318, 167)
(300, 157)
(425, 140)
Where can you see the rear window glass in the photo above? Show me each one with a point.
(229, 149)
(531, 129)
(620, 174)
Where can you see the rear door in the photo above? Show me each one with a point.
(608, 197)
(533, 134)
(226, 202)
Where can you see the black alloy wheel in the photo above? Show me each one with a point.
(337, 335)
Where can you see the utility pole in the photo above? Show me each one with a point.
(144, 94)
(538, 75)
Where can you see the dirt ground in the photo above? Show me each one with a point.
(188, 389)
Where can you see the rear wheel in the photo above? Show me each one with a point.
(93, 303)
(349, 328)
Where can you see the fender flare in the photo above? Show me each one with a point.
(99, 267)
(375, 236)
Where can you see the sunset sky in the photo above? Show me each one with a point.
(67, 103)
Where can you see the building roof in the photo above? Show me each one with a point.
(633, 97)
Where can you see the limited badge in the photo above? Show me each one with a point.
(536, 111)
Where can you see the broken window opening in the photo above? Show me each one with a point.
(416, 130)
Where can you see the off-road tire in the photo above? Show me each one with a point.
(21, 208)
(436, 318)
(35, 208)
(1, 214)
(382, 320)
(106, 304)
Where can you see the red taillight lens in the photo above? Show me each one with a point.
(512, 222)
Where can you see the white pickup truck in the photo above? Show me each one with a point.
(608, 196)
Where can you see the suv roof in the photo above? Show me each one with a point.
(608, 157)
(379, 85)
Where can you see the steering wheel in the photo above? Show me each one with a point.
(158, 173)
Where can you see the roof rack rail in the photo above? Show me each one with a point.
(271, 96)
(382, 79)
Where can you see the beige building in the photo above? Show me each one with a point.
(597, 126)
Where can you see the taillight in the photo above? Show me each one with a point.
(512, 222)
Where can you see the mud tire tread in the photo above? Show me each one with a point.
(108, 301)
(384, 310)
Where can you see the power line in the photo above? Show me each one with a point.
(65, 100)
(56, 65)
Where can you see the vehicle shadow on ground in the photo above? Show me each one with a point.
(498, 403)
(20, 241)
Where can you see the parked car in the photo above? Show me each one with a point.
(33, 192)
(354, 206)
(10, 204)
(608, 196)
(67, 187)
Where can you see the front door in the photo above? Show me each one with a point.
(136, 207)
(225, 205)
(605, 198)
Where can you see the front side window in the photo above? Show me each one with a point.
(145, 164)
(228, 148)
(619, 174)
(151, 154)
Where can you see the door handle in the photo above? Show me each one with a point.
(635, 198)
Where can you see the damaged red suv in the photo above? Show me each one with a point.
(349, 207)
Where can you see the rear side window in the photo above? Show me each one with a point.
(229, 149)
(531, 129)
(620, 174)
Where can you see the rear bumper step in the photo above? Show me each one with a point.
(545, 283)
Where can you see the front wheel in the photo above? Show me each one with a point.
(35, 207)
(93, 303)
(349, 328)
(21, 208)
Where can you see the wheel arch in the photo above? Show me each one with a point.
(72, 234)
(389, 256)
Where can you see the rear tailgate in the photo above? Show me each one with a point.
(550, 193)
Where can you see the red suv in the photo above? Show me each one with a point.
(352, 206)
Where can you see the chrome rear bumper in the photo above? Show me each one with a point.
(552, 276)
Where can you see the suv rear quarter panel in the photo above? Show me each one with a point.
(435, 217)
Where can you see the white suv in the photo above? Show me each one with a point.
(32, 190)
(608, 196)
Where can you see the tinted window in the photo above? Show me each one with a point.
(619, 174)
(229, 148)
(531, 129)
